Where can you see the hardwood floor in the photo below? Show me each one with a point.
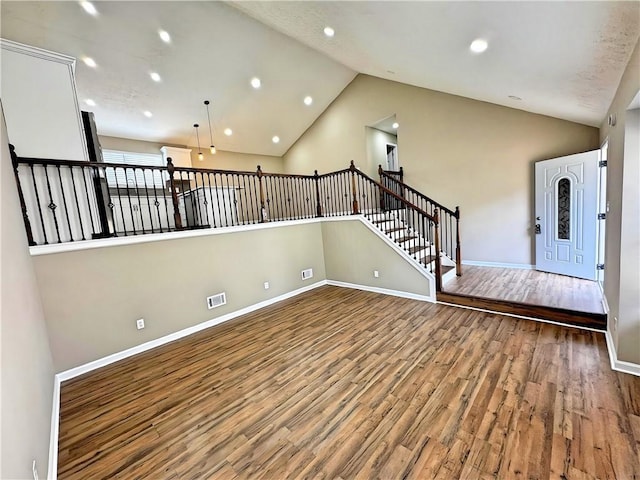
(339, 383)
(528, 286)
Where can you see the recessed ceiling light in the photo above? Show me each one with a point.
(90, 102)
(308, 100)
(329, 32)
(255, 82)
(147, 114)
(228, 132)
(89, 8)
(89, 62)
(395, 125)
(478, 45)
(155, 76)
(164, 35)
(275, 139)
(513, 97)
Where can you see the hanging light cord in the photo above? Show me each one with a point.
(197, 135)
(206, 102)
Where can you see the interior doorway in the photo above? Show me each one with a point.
(382, 145)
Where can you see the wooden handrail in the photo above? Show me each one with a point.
(416, 192)
(397, 197)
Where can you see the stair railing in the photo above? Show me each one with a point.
(423, 226)
(449, 219)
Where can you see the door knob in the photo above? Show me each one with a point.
(538, 231)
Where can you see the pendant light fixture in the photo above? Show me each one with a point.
(212, 147)
(200, 156)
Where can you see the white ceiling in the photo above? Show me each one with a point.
(564, 59)
(215, 51)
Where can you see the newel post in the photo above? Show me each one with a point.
(263, 210)
(458, 250)
(174, 195)
(23, 206)
(438, 272)
(380, 172)
(316, 178)
(354, 193)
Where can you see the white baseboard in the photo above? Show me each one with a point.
(52, 473)
(521, 266)
(619, 365)
(384, 291)
(102, 362)
(115, 357)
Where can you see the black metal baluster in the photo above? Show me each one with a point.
(64, 202)
(52, 206)
(249, 180)
(146, 191)
(75, 195)
(35, 188)
(232, 200)
(212, 221)
(163, 186)
(139, 200)
(86, 190)
(115, 175)
(217, 190)
(156, 203)
(133, 222)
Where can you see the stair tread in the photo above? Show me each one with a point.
(417, 248)
(405, 239)
(396, 229)
(384, 220)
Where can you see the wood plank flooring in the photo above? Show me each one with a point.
(528, 286)
(339, 383)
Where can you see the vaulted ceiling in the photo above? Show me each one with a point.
(562, 59)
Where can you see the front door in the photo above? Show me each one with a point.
(566, 215)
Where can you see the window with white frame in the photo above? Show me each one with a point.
(135, 177)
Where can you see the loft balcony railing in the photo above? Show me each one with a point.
(68, 201)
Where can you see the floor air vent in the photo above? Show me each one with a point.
(308, 273)
(216, 300)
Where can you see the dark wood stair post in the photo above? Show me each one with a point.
(316, 179)
(263, 211)
(23, 206)
(174, 195)
(380, 172)
(354, 193)
(438, 272)
(458, 250)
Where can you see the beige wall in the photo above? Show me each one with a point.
(456, 150)
(222, 160)
(237, 161)
(352, 252)
(93, 297)
(27, 368)
(621, 275)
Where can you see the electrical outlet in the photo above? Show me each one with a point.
(140, 324)
(266, 285)
(376, 274)
(35, 470)
(307, 274)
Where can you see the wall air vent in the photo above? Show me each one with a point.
(216, 300)
(307, 274)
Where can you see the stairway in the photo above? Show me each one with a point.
(393, 224)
